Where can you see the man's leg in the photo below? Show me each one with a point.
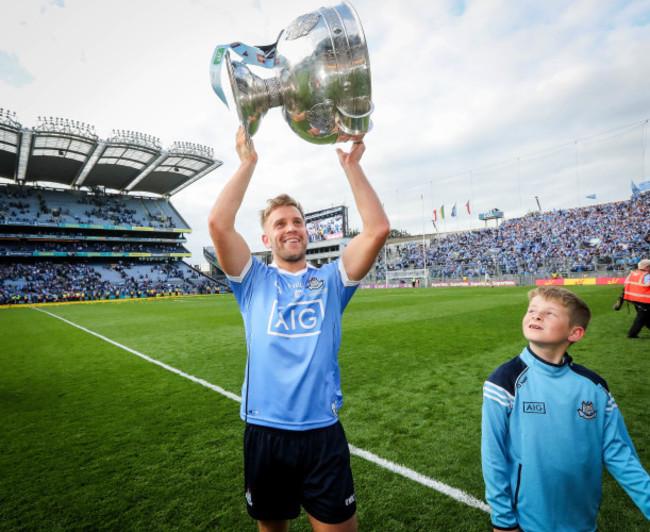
(328, 489)
(646, 313)
(273, 526)
(346, 526)
(639, 321)
(272, 490)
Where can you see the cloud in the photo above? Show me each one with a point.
(12, 72)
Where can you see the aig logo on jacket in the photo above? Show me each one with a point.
(301, 318)
(531, 407)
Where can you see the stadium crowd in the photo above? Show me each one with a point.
(28, 248)
(36, 221)
(50, 282)
(35, 206)
(612, 237)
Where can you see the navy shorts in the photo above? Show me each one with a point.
(286, 469)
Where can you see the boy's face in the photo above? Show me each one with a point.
(547, 324)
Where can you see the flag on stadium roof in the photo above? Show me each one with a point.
(467, 205)
(453, 210)
(591, 196)
(442, 212)
(641, 187)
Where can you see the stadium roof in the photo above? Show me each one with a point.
(70, 153)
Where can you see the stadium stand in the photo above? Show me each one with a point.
(601, 240)
(604, 240)
(83, 218)
(86, 218)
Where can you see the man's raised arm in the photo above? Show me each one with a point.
(231, 248)
(360, 254)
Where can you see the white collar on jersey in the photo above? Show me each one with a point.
(300, 272)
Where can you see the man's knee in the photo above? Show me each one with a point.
(273, 526)
(349, 525)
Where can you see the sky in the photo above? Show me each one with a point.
(509, 104)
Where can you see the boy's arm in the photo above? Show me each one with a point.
(494, 430)
(232, 251)
(622, 461)
(360, 254)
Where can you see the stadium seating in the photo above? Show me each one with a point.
(58, 245)
(65, 244)
(607, 239)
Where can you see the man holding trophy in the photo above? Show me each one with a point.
(295, 450)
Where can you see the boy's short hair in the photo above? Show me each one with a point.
(283, 200)
(579, 313)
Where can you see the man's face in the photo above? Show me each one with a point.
(285, 234)
(547, 323)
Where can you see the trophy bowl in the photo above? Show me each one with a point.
(320, 77)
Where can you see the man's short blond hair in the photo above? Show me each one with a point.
(644, 264)
(579, 313)
(283, 200)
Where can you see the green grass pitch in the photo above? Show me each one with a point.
(93, 437)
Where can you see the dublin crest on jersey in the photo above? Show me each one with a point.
(587, 411)
(314, 284)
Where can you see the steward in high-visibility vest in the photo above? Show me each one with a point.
(637, 290)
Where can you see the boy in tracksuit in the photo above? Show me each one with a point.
(549, 425)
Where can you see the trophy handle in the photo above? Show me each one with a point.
(355, 124)
(245, 85)
(253, 95)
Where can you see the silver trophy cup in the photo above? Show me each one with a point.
(320, 76)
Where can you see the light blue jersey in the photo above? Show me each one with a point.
(547, 431)
(293, 335)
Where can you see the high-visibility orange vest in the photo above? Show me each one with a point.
(634, 289)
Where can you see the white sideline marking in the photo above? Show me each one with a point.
(454, 493)
(148, 359)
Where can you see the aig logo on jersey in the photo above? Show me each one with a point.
(302, 318)
(531, 407)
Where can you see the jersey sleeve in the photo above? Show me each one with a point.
(621, 459)
(347, 288)
(497, 405)
(242, 284)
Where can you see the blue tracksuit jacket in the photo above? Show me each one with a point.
(547, 430)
